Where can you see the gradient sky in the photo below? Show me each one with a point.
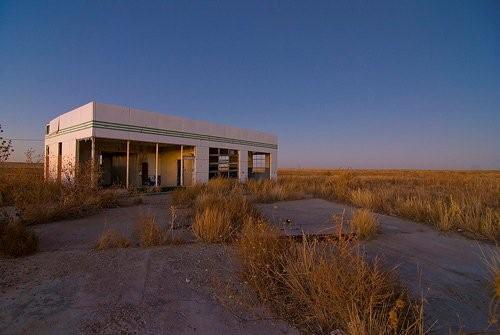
(378, 84)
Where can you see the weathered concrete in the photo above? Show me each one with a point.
(447, 269)
(68, 288)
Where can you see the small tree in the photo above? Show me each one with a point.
(5, 147)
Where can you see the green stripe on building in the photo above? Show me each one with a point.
(157, 131)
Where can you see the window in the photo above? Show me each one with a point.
(47, 129)
(223, 163)
(259, 161)
(258, 165)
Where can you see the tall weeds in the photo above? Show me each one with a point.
(450, 200)
(16, 239)
(317, 286)
(220, 216)
(364, 224)
(323, 286)
(38, 200)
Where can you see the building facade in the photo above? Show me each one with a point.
(135, 148)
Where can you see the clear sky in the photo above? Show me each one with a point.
(375, 84)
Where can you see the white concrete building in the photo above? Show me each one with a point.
(135, 148)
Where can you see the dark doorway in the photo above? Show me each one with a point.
(144, 173)
(178, 172)
(113, 168)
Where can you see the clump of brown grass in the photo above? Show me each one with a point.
(112, 238)
(265, 191)
(364, 198)
(16, 239)
(364, 224)
(39, 200)
(323, 286)
(219, 217)
(492, 261)
(185, 197)
(150, 233)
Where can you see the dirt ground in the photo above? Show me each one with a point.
(447, 269)
(193, 288)
(70, 288)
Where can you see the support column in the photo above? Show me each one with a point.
(128, 161)
(273, 165)
(243, 165)
(92, 160)
(201, 155)
(77, 158)
(182, 165)
(156, 166)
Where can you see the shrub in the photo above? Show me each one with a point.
(492, 261)
(39, 200)
(219, 217)
(364, 224)
(364, 199)
(149, 232)
(112, 238)
(323, 286)
(17, 240)
(185, 197)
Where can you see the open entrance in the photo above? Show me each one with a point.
(145, 167)
(259, 165)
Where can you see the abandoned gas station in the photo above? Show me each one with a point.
(136, 148)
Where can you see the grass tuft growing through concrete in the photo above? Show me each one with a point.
(364, 224)
(112, 238)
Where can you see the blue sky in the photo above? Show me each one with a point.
(376, 84)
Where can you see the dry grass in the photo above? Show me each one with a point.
(112, 238)
(465, 201)
(16, 239)
(318, 286)
(40, 201)
(150, 233)
(220, 216)
(364, 224)
(323, 286)
(468, 202)
(492, 261)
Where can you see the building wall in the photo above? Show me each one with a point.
(123, 123)
(57, 133)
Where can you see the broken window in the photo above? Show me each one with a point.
(223, 163)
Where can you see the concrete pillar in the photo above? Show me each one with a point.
(92, 159)
(46, 162)
(243, 165)
(156, 166)
(182, 165)
(77, 157)
(200, 164)
(128, 163)
(273, 165)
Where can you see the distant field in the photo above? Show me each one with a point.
(12, 168)
(466, 201)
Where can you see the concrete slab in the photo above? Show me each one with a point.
(447, 269)
(69, 288)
